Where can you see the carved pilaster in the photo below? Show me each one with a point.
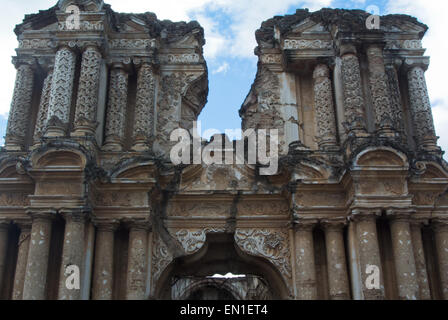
(353, 94)
(336, 260)
(88, 92)
(441, 235)
(384, 117)
(117, 106)
(144, 108)
(19, 114)
(73, 251)
(369, 250)
(61, 92)
(395, 96)
(420, 261)
(405, 269)
(42, 115)
(104, 260)
(305, 260)
(22, 258)
(4, 230)
(323, 102)
(420, 105)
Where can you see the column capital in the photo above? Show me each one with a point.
(305, 224)
(334, 224)
(19, 61)
(347, 48)
(42, 214)
(365, 214)
(77, 215)
(321, 70)
(137, 224)
(419, 223)
(108, 225)
(123, 63)
(140, 62)
(400, 214)
(440, 224)
(416, 62)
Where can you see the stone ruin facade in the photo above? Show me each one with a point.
(86, 178)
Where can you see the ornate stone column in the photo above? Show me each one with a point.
(144, 107)
(42, 115)
(4, 229)
(104, 260)
(323, 102)
(88, 92)
(420, 262)
(73, 251)
(420, 105)
(117, 106)
(137, 260)
(393, 84)
(19, 115)
(305, 262)
(384, 117)
(369, 251)
(353, 94)
(35, 286)
(61, 92)
(336, 261)
(22, 258)
(441, 235)
(405, 269)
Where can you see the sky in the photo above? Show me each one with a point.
(230, 35)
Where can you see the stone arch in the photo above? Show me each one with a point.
(207, 282)
(220, 255)
(60, 158)
(381, 157)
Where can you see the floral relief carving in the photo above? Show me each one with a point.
(89, 82)
(144, 107)
(131, 43)
(395, 99)
(13, 199)
(116, 111)
(21, 103)
(270, 244)
(290, 44)
(420, 105)
(323, 102)
(161, 258)
(353, 95)
(193, 240)
(62, 85)
(43, 107)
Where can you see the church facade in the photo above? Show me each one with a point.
(92, 207)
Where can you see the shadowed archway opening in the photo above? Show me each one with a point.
(191, 277)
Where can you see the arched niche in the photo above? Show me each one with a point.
(221, 255)
(59, 158)
(382, 157)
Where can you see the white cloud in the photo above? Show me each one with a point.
(223, 68)
(432, 13)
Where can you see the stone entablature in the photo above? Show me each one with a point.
(85, 177)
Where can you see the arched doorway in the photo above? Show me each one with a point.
(191, 277)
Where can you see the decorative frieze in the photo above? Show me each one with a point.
(185, 58)
(292, 44)
(131, 43)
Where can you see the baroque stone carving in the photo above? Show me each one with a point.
(203, 208)
(353, 95)
(179, 58)
(131, 43)
(323, 102)
(42, 115)
(144, 107)
(62, 85)
(193, 240)
(384, 117)
(21, 105)
(420, 106)
(260, 208)
(395, 99)
(89, 81)
(36, 44)
(161, 257)
(83, 26)
(290, 44)
(13, 199)
(116, 111)
(270, 244)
